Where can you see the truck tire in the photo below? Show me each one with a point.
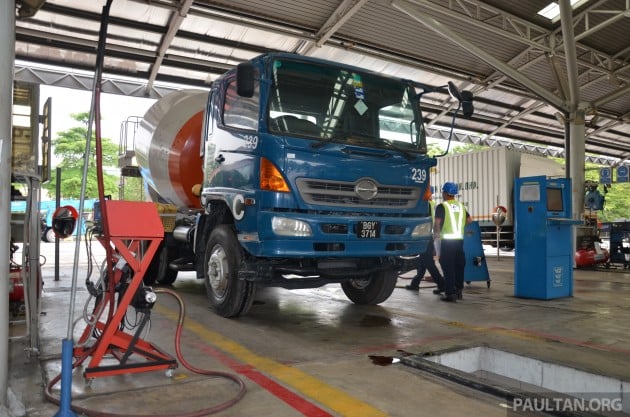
(373, 289)
(158, 271)
(168, 277)
(165, 275)
(228, 295)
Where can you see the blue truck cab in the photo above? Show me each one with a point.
(314, 173)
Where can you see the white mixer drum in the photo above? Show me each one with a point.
(167, 147)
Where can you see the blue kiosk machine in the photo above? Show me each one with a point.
(543, 265)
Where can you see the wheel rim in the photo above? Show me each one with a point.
(360, 283)
(218, 271)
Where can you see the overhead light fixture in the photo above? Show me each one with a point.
(552, 10)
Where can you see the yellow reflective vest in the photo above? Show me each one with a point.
(454, 220)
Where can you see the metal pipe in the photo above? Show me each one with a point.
(576, 167)
(182, 233)
(566, 20)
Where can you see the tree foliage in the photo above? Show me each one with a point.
(468, 147)
(617, 205)
(434, 149)
(69, 148)
(133, 189)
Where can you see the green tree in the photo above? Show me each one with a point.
(456, 147)
(617, 205)
(133, 189)
(69, 148)
(434, 149)
(467, 147)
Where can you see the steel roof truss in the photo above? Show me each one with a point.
(345, 10)
(175, 21)
(417, 13)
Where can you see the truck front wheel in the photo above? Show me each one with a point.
(229, 296)
(373, 289)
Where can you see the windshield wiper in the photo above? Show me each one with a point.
(390, 145)
(360, 140)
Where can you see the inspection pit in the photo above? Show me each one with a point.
(511, 376)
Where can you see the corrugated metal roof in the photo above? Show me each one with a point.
(213, 35)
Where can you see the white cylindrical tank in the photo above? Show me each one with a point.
(167, 147)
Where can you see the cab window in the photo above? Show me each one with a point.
(241, 112)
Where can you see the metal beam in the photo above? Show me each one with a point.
(589, 30)
(571, 56)
(508, 26)
(443, 134)
(345, 10)
(529, 109)
(175, 22)
(611, 97)
(491, 19)
(418, 14)
(83, 81)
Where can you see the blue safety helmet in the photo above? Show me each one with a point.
(449, 188)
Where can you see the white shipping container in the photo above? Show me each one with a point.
(485, 179)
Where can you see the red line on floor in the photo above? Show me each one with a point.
(300, 404)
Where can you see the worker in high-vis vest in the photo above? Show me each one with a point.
(450, 220)
(425, 263)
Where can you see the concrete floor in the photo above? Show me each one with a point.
(314, 353)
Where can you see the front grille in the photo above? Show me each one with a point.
(342, 194)
(392, 229)
(339, 229)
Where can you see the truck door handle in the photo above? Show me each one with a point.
(220, 158)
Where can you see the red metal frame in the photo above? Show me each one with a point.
(135, 235)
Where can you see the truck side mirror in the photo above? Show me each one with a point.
(467, 104)
(465, 99)
(64, 221)
(454, 92)
(245, 79)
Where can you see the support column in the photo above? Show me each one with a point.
(577, 136)
(7, 60)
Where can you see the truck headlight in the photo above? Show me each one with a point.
(283, 226)
(421, 230)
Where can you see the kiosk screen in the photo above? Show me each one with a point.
(554, 199)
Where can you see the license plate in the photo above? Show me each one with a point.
(368, 229)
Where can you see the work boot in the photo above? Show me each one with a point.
(451, 298)
(412, 288)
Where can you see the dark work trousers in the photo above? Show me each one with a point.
(426, 262)
(453, 262)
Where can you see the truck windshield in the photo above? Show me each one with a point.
(330, 103)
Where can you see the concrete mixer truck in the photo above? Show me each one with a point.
(292, 172)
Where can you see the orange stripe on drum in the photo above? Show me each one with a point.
(184, 162)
